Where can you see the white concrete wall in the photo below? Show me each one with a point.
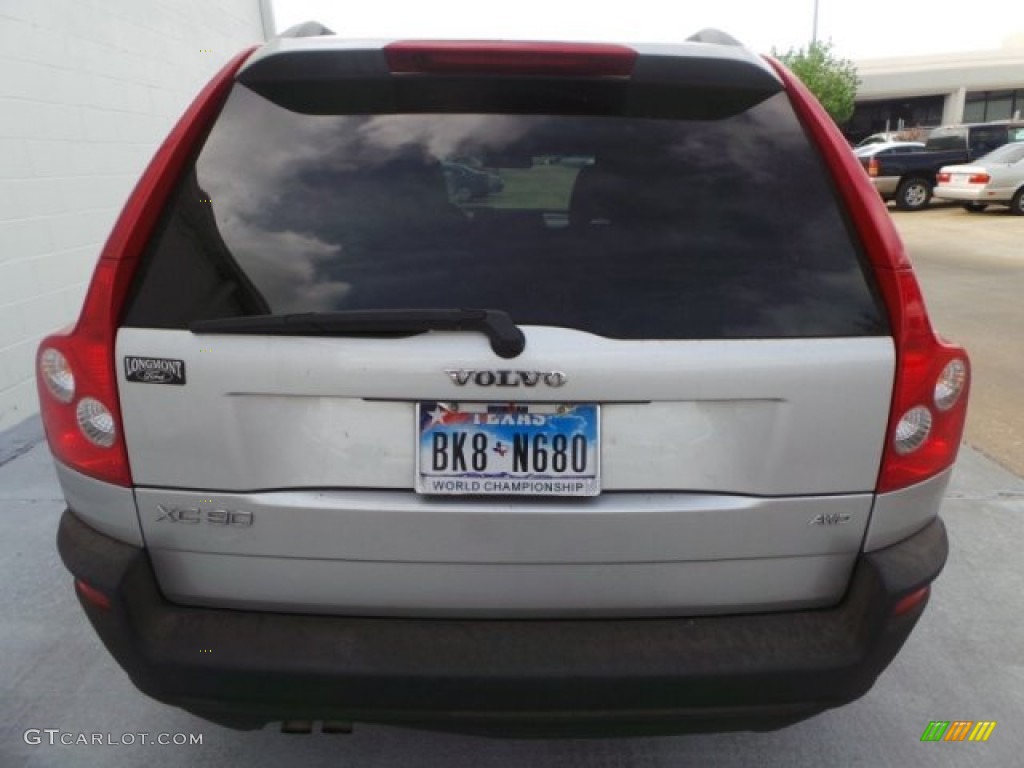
(88, 90)
(935, 75)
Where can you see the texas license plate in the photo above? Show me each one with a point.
(508, 449)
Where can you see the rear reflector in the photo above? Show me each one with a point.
(92, 595)
(911, 601)
(509, 58)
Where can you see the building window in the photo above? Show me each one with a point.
(974, 108)
(894, 115)
(982, 106)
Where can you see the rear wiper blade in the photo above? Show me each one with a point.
(507, 340)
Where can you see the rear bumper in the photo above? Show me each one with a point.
(761, 671)
(966, 195)
(885, 185)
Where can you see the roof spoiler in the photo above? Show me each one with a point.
(710, 76)
(307, 29)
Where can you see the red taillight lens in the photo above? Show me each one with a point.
(943, 177)
(979, 178)
(929, 404)
(509, 58)
(873, 166)
(84, 433)
(75, 372)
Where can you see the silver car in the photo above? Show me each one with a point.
(650, 442)
(995, 179)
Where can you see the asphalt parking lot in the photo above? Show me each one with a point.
(971, 268)
(965, 661)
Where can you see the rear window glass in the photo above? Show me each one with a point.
(622, 227)
(986, 138)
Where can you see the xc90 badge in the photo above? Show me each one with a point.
(196, 515)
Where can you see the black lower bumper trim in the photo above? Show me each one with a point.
(547, 676)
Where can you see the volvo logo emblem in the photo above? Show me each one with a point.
(486, 378)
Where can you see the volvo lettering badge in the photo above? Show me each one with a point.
(488, 378)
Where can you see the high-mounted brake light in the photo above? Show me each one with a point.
(75, 371)
(929, 402)
(442, 57)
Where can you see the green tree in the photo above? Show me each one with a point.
(831, 79)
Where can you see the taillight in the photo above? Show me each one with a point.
(929, 403)
(873, 166)
(75, 371)
(442, 57)
(979, 178)
(943, 176)
(83, 426)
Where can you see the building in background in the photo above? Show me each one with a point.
(87, 92)
(916, 91)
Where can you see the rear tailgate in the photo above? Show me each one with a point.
(684, 268)
(783, 417)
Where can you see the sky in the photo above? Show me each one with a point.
(858, 30)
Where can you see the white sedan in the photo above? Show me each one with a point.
(996, 178)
